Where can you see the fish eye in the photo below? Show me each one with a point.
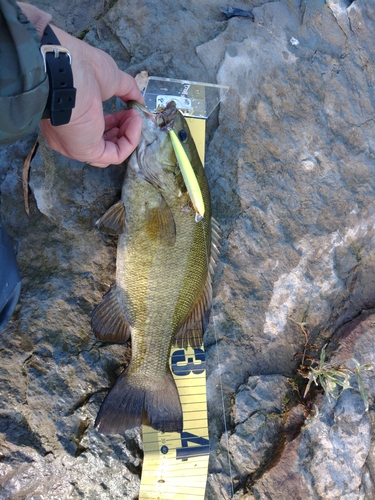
(183, 135)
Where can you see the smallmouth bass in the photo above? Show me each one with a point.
(165, 259)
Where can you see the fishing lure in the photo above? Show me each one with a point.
(188, 174)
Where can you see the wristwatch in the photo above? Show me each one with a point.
(58, 66)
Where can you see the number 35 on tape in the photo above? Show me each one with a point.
(175, 464)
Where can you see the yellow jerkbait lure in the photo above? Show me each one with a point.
(188, 174)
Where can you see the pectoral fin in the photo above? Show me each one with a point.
(108, 321)
(113, 221)
(160, 224)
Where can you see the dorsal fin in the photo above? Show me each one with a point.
(113, 221)
(108, 321)
(215, 244)
(192, 330)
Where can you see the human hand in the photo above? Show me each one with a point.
(91, 136)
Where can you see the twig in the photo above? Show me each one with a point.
(25, 177)
(306, 334)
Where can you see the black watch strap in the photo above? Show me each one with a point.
(62, 94)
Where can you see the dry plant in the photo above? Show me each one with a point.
(333, 377)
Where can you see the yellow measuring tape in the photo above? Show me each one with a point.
(175, 464)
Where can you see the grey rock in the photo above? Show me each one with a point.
(78, 18)
(338, 444)
(258, 421)
(333, 455)
(290, 161)
(256, 433)
(162, 37)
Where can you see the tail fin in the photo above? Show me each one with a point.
(132, 402)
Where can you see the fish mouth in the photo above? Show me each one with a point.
(140, 108)
(164, 118)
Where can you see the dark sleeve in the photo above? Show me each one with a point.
(10, 280)
(23, 82)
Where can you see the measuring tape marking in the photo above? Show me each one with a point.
(176, 464)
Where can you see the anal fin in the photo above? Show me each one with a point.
(108, 321)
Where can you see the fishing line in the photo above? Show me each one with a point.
(219, 367)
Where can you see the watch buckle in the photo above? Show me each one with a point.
(57, 50)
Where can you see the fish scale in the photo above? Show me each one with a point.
(159, 304)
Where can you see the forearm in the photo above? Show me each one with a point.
(23, 82)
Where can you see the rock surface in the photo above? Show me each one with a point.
(290, 160)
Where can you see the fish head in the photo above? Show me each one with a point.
(155, 159)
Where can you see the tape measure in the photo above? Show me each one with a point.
(175, 464)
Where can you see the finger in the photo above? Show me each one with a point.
(128, 89)
(112, 134)
(115, 120)
(117, 150)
